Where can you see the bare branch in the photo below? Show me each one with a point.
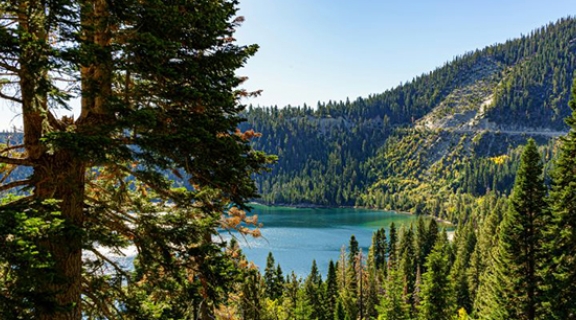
(10, 98)
(15, 184)
(64, 80)
(9, 67)
(112, 263)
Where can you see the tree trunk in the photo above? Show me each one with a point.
(57, 175)
(61, 177)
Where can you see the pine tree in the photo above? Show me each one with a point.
(291, 290)
(270, 278)
(331, 294)
(250, 303)
(392, 246)
(279, 281)
(466, 242)
(352, 274)
(393, 304)
(408, 265)
(378, 249)
(302, 308)
(374, 278)
(339, 312)
(422, 244)
(313, 292)
(437, 296)
(431, 236)
(159, 94)
(518, 254)
(560, 269)
(354, 249)
(481, 256)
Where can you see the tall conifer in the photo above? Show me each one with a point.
(514, 287)
(437, 301)
(560, 269)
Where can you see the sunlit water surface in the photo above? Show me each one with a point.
(296, 236)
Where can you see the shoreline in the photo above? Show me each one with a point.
(319, 206)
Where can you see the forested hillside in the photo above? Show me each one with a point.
(458, 126)
(511, 258)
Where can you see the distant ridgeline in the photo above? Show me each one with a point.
(444, 138)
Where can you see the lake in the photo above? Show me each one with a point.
(296, 236)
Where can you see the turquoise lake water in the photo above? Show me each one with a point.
(296, 236)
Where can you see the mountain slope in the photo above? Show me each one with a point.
(479, 106)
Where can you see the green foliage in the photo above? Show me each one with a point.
(159, 93)
(273, 278)
(513, 290)
(314, 293)
(378, 249)
(437, 294)
(408, 265)
(368, 152)
(560, 266)
(331, 292)
(393, 305)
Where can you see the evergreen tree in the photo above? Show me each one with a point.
(159, 93)
(392, 252)
(408, 265)
(560, 269)
(393, 304)
(481, 256)
(291, 289)
(331, 294)
(354, 249)
(302, 308)
(270, 278)
(339, 312)
(250, 303)
(378, 249)
(353, 268)
(437, 296)
(422, 244)
(466, 242)
(279, 281)
(313, 292)
(431, 236)
(374, 279)
(518, 254)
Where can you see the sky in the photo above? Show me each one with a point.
(320, 50)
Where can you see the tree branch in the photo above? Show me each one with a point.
(55, 122)
(9, 67)
(10, 98)
(15, 184)
(18, 162)
(112, 263)
(11, 148)
(99, 304)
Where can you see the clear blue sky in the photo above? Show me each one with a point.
(320, 50)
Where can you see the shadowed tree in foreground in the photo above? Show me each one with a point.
(158, 93)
